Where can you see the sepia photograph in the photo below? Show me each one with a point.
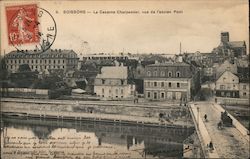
(124, 79)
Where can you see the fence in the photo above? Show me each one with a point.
(24, 92)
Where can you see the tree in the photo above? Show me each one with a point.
(24, 68)
(3, 69)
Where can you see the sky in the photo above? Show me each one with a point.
(197, 27)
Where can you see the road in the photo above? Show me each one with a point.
(228, 142)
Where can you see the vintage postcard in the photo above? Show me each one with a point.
(129, 79)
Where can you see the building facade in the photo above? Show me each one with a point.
(170, 81)
(227, 85)
(112, 83)
(244, 89)
(48, 60)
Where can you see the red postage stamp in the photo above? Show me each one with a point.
(22, 24)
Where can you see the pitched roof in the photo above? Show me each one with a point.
(170, 64)
(47, 52)
(114, 72)
(237, 44)
(228, 73)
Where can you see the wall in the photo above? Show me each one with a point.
(24, 92)
(232, 101)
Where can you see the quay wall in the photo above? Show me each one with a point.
(232, 101)
(121, 112)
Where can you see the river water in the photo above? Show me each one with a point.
(40, 138)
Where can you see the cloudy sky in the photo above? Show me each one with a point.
(198, 27)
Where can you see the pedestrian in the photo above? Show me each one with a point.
(211, 146)
(205, 117)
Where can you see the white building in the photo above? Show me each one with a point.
(112, 83)
(227, 85)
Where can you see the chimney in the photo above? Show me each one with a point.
(225, 37)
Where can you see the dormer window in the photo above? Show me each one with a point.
(178, 74)
(162, 73)
(149, 73)
(155, 73)
(169, 74)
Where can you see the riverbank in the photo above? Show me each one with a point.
(172, 115)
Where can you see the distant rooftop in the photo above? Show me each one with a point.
(170, 64)
(113, 72)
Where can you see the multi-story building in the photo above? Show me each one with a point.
(227, 85)
(48, 60)
(170, 81)
(112, 83)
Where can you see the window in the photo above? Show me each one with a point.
(19, 61)
(155, 73)
(244, 94)
(148, 84)
(103, 91)
(122, 82)
(155, 95)
(45, 61)
(155, 84)
(169, 84)
(162, 84)
(58, 61)
(178, 85)
(49, 61)
(222, 94)
(169, 74)
(148, 94)
(116, 91)
(178, 74)
(149, 73)
(162, 95)
(245, 87)
(121, 91)
(103, 81)
(162, 73)
(36, 61)
(222, 87)
(31, 61)
(54, 61)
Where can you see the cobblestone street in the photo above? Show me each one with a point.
(228, 142)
